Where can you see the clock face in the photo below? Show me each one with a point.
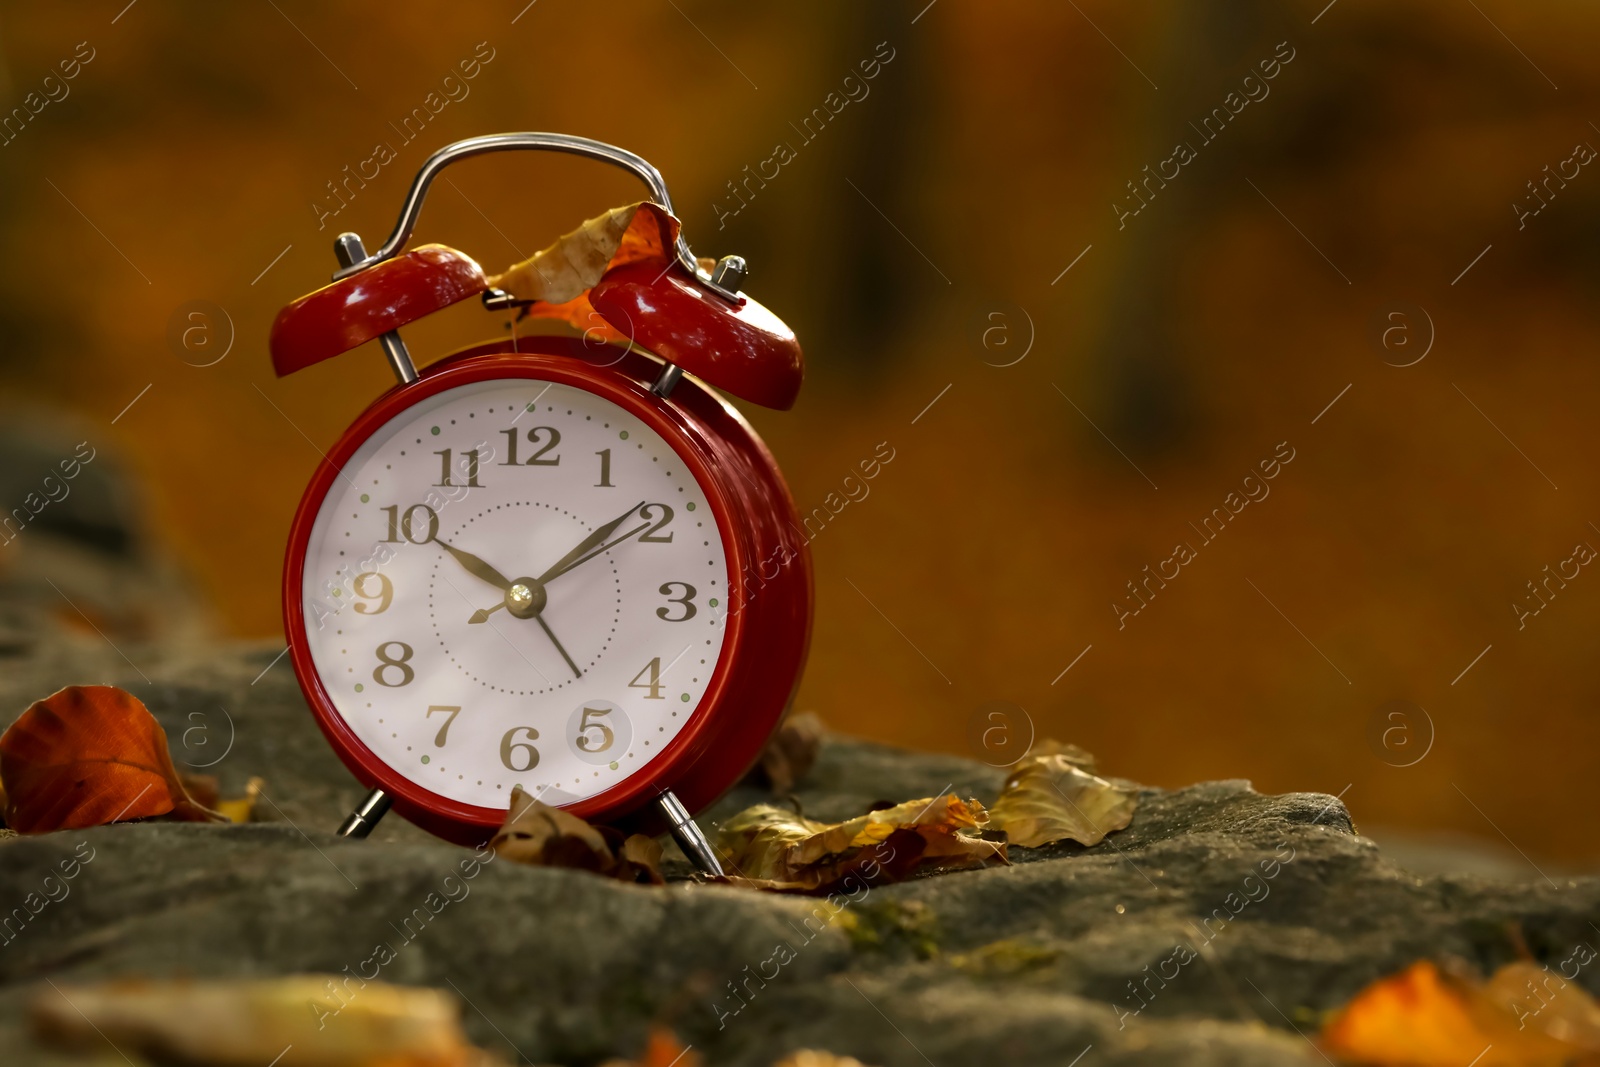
(515, 582)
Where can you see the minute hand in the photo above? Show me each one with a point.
(589, 545)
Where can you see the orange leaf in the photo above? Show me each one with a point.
(1428, 1017)
(86, 756)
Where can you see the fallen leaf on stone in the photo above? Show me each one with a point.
(539, 835)
(86, 756)
(300, 1021)
(812, 1058)
(1049, 797)
(240, 809)
(1428, 1016)
(769, 847)
(662, 1049)
(790, 753)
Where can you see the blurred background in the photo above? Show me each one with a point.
(1377, 257)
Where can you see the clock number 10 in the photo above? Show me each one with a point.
(406, 525)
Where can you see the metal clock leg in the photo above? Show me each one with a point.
(688, 835)
(359, 823)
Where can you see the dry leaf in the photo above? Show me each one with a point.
(769, 847)
(1050, 797)
(87, 756)
(240, 809)
(791, 752)
(661, 1050)
(1425, 1016)
(813, 1058)
(558, 279)
(539, 835)
(301, 1021)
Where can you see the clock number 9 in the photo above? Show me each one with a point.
(607, 736)
(687, 600)
(385, 593)
(406, 524)
(507, 747)
(400, 663)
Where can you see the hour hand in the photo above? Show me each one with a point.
(482, 614)
(475, 566)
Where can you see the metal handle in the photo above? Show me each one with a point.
(504, 142)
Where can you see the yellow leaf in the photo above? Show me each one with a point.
(1050, 797)
(307, 1020)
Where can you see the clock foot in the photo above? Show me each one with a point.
(688, 835)
(359, 823)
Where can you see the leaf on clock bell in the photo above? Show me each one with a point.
(769, 847)
(295, 1021)
(1050, 797)
(1433, 1015)
(560, 274)
(87, 756)
(790, 753)
(539, 835)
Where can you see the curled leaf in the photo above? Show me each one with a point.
(539, 835)
(770, 847)
(300, 1021)
(558, 278)
(240, 809)
(791, 752)
(1049, 796)
(1432, 1016)
(86, 756)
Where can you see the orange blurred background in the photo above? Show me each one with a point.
(1066, 388)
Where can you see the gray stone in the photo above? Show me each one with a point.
(1031, 963)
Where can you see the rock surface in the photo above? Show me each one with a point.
(1214, 930)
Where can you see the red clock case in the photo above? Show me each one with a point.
(770, 583)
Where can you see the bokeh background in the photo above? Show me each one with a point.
(1065, 390)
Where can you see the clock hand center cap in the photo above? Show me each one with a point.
(526, 598)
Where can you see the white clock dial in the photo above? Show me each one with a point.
(469, 624)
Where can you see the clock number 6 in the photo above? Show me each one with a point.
(507, 747)
(607, 737)
(450, 717)
(687, 600)
(400, 663)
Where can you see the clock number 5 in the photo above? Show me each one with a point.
(386, 662)
(687, 600)
(508, 746)
(450, 717)
(607, 737)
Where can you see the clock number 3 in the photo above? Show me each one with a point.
(388, 662)
(687, 600)
(450, 716)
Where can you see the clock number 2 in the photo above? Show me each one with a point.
(451, 711)
(386, 662)
(585, 740)
(647, 514)
(508, 746)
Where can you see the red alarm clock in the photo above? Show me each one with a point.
(548, 561)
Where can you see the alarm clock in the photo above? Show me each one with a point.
(554, 562)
